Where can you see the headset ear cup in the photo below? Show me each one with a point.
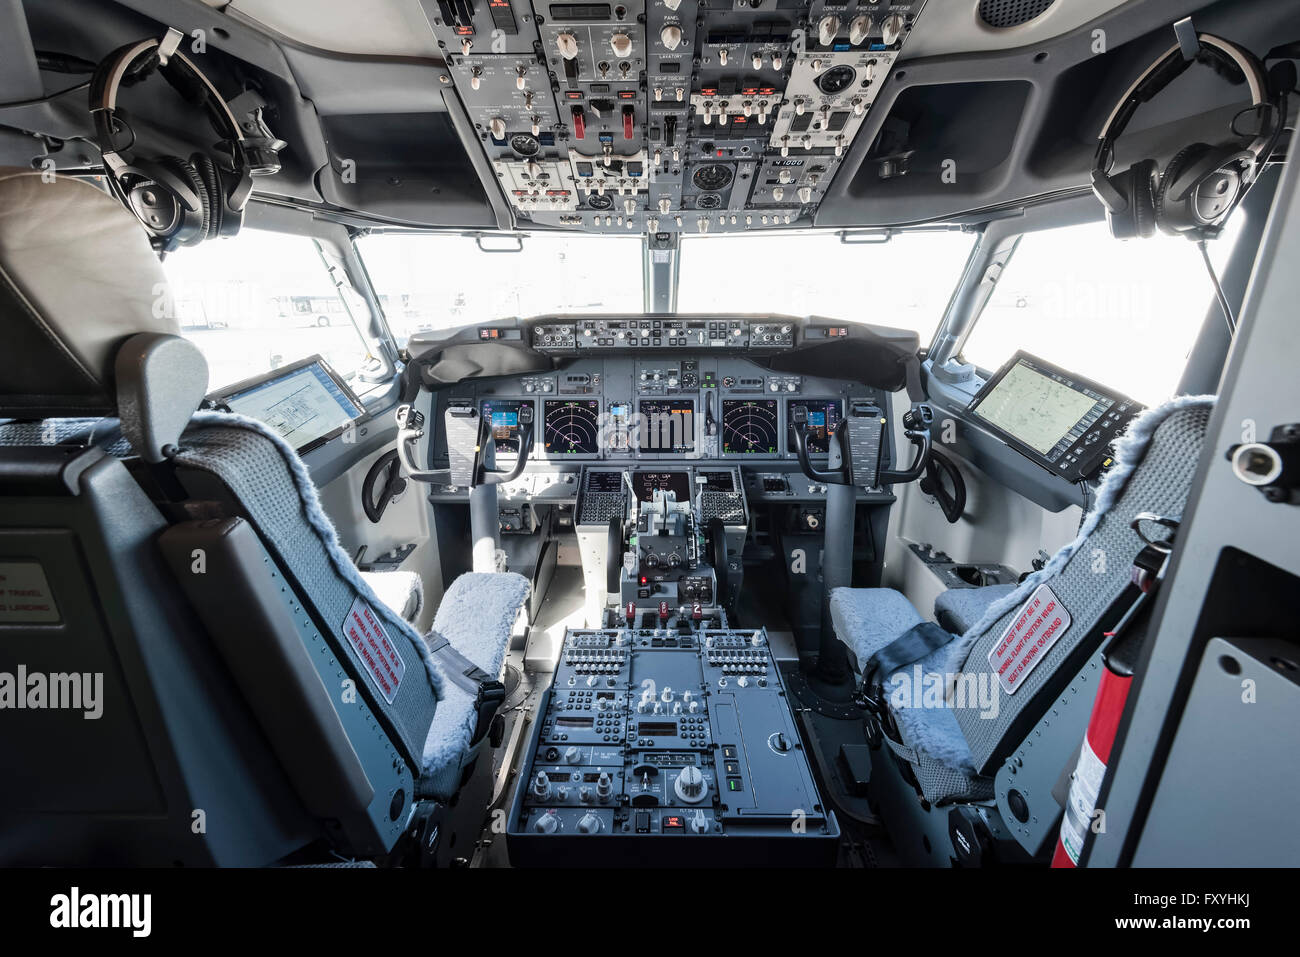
(211, 178)
(1137, 219)
(195, 227)
(226, 219)
(1174, 217)
(1144, 211)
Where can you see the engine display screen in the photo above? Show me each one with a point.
(667, 425)
(647, 483)
(749, 426)
(503, 417)
(572, 426)
(823, 416)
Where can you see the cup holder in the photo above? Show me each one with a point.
(971, 575)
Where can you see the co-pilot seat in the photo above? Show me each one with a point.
(941, 748)
(192, 671)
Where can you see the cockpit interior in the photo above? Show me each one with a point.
(651, 433)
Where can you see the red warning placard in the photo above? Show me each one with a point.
(1037, 626)
(383, 662)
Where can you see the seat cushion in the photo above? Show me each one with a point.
(958, 609)
(403, 592)
(476, 616)
(868, 619)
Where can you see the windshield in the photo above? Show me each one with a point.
(429, 281)
(261, 300)
(905, 282)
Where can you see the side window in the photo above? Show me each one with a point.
(261, 300)
(1123, 313)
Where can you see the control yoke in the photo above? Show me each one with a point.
(469, 447)
(916, 426)
(855, 446)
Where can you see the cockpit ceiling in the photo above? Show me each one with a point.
(661, 116)
(399, 27)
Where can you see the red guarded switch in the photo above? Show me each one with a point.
(629, 122)
(663, 611)
(579, 123)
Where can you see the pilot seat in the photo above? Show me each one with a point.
(950, 733)
(244, 695)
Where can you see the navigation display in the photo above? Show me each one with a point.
(645, 484)
(305, 403)
(823, 416)
(571, 427)
(749, 426)
(503, 417)
(667, 425)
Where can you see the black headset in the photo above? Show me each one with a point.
(179, 202)
(1202, 184)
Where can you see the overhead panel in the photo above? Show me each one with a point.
(668, 115)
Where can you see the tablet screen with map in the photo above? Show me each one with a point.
(306, 402)
(1059, 420)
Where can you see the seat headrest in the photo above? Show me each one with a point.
(77, 279)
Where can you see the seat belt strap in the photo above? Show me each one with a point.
(912, 645)
(488, 693)
(464, 674)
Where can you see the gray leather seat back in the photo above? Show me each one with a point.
(215, 681)
(244, 469)
(1161, 458)
(125, 740)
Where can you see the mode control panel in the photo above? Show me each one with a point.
(667, 746)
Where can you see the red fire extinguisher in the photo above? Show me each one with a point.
(1085, 782)
(1119, 659)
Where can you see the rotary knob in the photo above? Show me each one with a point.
(892, 29)
(691, 786)
(671, 36)
(498, 128)
(604, 787)
(567, 44)
(826, 30)
(542, 786)
(858, 29)
(588, 824)
(572, 755)
(621, 44)
(699, 823)
(548, 823)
